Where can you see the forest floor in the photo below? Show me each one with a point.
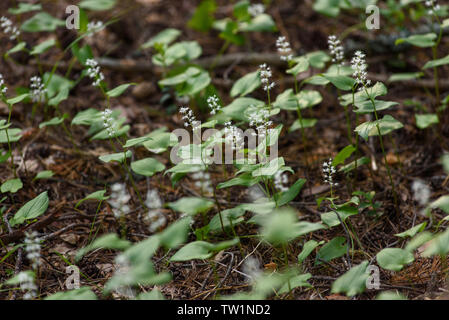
(412, 154)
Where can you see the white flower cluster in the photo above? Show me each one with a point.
(203, 182)
(8, 27)
(3, 88)
(260, 119)
(94, 26)
(123, 268)
(27, 284)
(214, 104)
(189, 118)
(359, 67)
(155, 216)
(329, 172)
(233, 136)
(284, 49)
(256, 9)
(432, 6)
(119, 200)
(421, 192)
(336, 49)
(37, 89)
(93, 71)
(265, 77)
(33, 248)
(251, 268)
(109, 122)
(281, 181)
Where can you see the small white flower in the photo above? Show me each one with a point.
(8, 27)
(93, 71)
(336, 49)
(94, 26)
(155, 216)
(265, 77)
(284, 49)
(203, 181)
(3, 87)
(33, 249)
(27, 285)
(109, 122)
(359, 67)
(37, 90)
(329, 172)
(256, 9)
(233, 136)
(421, 192)
(281, 181)
(432, 6)
(119, 200)
(189, 118)
(214, 104)
(260, 119)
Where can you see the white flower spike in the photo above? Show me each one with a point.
(284, 49)
(336, 50)
(93, 71)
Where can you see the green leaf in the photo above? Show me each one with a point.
(386, 125)
(32, 209)
(191, 205)
(12, 186)
(233, 215)
(438, 246)
(24, 8)
(97, 5)
(341, 82)
(331, 218)
(44, 46)
(442, 203)
(180, 78)
(437, 63)
(419, 40)
(335, 248)
(17, 99)
(412, 231)
(352, 165)
(86, 117)
(41, 22)
(390, 295)
(201, 250)
(424, 121)
(83, 293)
(17, 48)
(262, 22)
(203, 17)
(309, 98)
(44, 175)
(246, 180)
(53, 122)
(14, 135)
(107, 241)
(296, 282)
(302, 64)
(246, 84)
(291, 193)
(352, 282)
(164, 38)
(176, 234)
(343, 155)
(394, 259)
(118, 91)
(97, 195)
(117, 157)
(307, 249)
(405, 76)
(306, 123)
(330, 8)
(367, 106)
(147, 167)
(317, 59)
